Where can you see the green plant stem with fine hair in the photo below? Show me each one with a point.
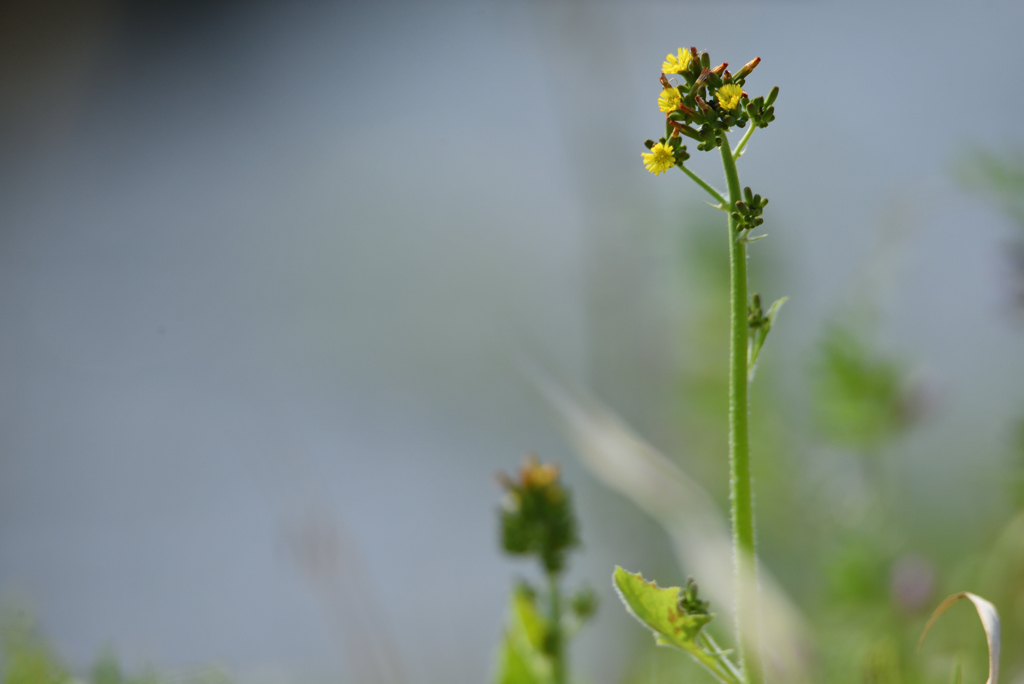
(740, 480)
(707, 188)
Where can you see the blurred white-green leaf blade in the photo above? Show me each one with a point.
(989, 621)
(699, 532)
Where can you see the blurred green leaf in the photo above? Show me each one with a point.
(27, 658)
(521, 659)
(106, 669)
(862, 398)
(999, 177)
(857, 574)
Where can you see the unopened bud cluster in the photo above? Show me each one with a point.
(761, 110)
(536, 516)
(755, 314)
(747, 211)
(689, 601)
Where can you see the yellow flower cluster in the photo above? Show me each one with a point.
(660, 159)
(669, 100)
(534, 474)
(729, 95)
(676, 64)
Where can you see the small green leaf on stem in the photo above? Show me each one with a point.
(759, 333)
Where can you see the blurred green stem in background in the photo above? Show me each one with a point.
(555, 636)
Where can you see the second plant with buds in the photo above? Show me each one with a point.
(537, 519)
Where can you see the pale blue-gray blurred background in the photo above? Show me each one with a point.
(261, 262)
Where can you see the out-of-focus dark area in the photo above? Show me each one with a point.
(279, 285)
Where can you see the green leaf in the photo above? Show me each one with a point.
(521, 659)
(658, 608)
(26, 657)
(862, 397)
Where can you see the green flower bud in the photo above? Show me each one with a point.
(747, 68)
(689, 601)
(537, 516)
(687, 131)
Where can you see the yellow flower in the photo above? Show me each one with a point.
(729, 95)
(669, 100)
(660, 159)
(534, 474)
(676, 65)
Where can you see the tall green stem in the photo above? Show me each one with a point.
(740, 481)
(556, 637)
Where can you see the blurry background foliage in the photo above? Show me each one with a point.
(269, 273)
(29, 659)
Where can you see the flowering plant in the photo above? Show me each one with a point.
(537, 519)
(704, 104)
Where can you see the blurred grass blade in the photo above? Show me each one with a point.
(699, 533)
(989, 621)
(325, 551)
